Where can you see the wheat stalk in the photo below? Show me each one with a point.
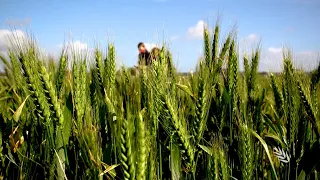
(126, 152)
(278, 97)
(246, 152)
(215, 46)
(142, 152)
(207, 48)
(63, 63)
(309, 108)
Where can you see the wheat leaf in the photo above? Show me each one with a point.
(302, 175)
(276, 138)
(16, 115)
(206, 149)
(265, 146)
(175, 161)
(61, 166)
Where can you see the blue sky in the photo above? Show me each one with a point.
(294, 23)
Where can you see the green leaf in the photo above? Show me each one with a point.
(265, 146)
(175, 161)
(206, 149)
(16, 115)
(231, 177)
(302, 175)
(61, 165)
(67, 124)
(10, 156)
(4, 98)
(276, 138)
(109, 103)
(4, 89)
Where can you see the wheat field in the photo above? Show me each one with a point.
(94, 121)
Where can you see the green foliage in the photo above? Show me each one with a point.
(94, 122)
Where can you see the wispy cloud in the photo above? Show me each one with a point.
(250, 40)
(196, 32)
(274, 50)
(173, 38)
(18, 22)
(193, 33)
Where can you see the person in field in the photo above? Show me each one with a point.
(144, 55)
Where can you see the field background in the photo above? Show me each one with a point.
(93, 121)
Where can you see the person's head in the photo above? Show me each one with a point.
(141, 47)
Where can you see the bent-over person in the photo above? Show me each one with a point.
(144, 55)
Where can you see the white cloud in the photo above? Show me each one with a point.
(78, 48)
(306, 60)
(79, 45)
(75, 45)
(196, 31)
(6, 36)
(274, 50)
(250, 40)
(272, 59)
(149, 46)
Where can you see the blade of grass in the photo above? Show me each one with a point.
(265, 146)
